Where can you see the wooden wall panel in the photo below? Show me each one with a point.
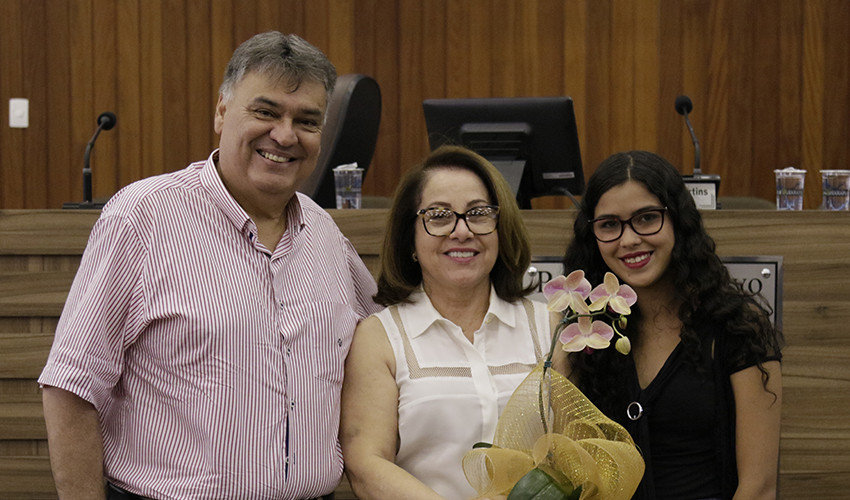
(34, 51)
(202, 93)
(175, 92)
(128, 132)
(788, 147)
(770, 80)
(576, 64)
(765, 73)
(646, 24)
(813, 81)
(54, 116)
(378, 54)
(150, 58)
(837, 85)
(11, 140)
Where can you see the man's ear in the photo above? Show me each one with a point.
(220, 109)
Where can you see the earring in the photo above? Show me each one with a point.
(414, 257)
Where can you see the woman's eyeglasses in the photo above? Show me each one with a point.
(645, 223)
(442, 221)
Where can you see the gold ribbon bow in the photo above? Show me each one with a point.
(549, 425)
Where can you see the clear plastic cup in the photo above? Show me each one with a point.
(836, 189)
(348, 180)
(790, 182)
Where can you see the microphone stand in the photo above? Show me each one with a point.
(105, 121)
(703, 187)
(697, 169)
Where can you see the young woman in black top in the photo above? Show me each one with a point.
(701, 390)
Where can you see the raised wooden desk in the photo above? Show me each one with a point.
(40, 251)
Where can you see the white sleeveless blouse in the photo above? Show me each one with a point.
(451, 391)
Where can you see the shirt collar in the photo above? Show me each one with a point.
(221, 198)
(423, 314)
(295, 218)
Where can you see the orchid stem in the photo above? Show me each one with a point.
(548, 364)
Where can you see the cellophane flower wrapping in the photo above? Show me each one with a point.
(549, 423)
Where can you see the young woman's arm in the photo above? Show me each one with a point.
(757, 420)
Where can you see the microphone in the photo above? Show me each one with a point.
(105, 121)
(703, 187)
(683, 107)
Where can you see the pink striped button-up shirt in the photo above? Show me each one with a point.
(215, 363)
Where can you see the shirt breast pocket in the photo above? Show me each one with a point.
(327, 332)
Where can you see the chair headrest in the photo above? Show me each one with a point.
(349, 135)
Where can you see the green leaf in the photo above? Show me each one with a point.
(482, 445)
(541, 485)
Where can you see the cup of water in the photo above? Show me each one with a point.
(836, 189)
(789, 188)
(348, 179)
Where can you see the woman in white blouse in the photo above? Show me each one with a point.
(427, 377)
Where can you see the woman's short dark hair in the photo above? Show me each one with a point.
(400, 275)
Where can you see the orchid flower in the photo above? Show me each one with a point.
(571, 291)
(586, 333)
(578, 330)
(611, 293)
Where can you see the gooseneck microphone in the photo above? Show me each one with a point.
(703, 187)
(105, 121)
(683, 107)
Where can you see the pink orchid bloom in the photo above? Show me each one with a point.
(611, 293)
(586, 333)
(569, 291)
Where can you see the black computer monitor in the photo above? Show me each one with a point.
(533, 141)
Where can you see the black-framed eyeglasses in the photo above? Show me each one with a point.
(439, 221)
(644, 223)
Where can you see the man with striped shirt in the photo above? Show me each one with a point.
(201, 348)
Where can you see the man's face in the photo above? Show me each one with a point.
(270, 138)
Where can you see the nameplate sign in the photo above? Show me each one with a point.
(759, 275)
(703, 189)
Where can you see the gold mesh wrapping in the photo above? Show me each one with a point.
(576, 439)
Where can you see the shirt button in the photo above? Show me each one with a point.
(288, 351)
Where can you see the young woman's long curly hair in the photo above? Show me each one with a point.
(711, 302)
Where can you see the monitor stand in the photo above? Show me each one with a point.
(512, 171)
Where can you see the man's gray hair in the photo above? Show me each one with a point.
(289, 58)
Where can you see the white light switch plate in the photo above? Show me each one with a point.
(19, 112)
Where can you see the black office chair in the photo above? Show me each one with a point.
(349, 135)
